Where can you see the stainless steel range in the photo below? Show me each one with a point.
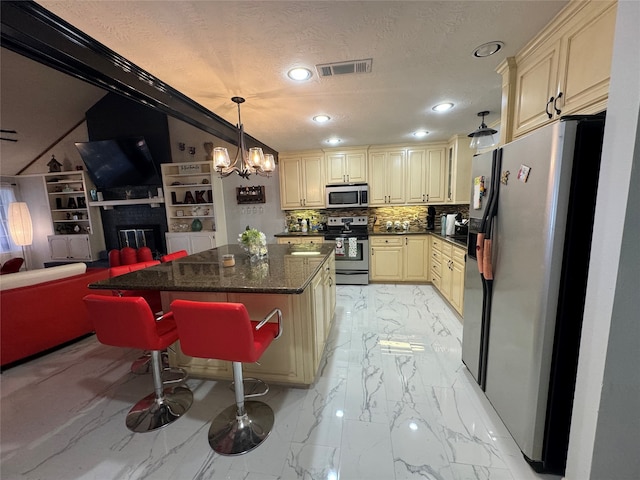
(351, 238)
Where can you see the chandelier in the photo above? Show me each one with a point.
(246, 162)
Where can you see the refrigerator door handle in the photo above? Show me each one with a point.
(480, 252)
(486, 260)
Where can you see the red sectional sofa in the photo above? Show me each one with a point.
(41, 316)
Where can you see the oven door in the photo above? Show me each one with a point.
(352, 264)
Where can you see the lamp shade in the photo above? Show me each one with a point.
(20, 226)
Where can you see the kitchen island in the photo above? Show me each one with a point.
(297, 279)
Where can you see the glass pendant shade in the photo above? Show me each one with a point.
(221, 158)
(483, 141)
(269, 163)
(256, 157)
(483, 136)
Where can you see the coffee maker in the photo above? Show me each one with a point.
(431, 218)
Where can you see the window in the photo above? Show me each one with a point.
(7, 195)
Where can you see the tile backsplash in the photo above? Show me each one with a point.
(415, 214)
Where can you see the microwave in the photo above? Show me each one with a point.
(347, 195)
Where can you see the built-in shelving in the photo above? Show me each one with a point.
(77, 229)
(195, 206)
(153, 202)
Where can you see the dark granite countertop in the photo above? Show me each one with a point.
(300, 234)
(383, 231)
(283, 271)
(419, 231)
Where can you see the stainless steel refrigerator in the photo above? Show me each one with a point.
(532, 207)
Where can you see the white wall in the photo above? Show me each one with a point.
(605, 427)
(65, 151)
(270, 220)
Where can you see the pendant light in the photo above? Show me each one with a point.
(483, 136)
(246, 161)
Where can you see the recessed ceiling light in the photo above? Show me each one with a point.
(487, 49)
(299, 74)
(420, 133)
(443, 107)
(321, 118)
(333, 140)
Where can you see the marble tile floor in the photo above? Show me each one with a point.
(392, 401)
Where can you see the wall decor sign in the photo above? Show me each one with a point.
(189, 168)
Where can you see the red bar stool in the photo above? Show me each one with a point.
(173, 255)
(141, 365)
(129, 322)
(224, 331)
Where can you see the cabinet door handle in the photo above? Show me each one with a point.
(427, 197)
(372, 251)
(558, 111)
(423, 197)
(406, 241)
(546, 108)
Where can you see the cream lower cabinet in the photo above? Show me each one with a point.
(447, 271)
(294, 240)
(294, 358)
(457, 279)
(399, 258)
(302, 181)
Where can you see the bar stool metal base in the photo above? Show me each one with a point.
(152, 412)
(231, 434)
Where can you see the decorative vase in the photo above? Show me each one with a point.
(196, 225)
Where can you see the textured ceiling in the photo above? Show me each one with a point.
(421, 51)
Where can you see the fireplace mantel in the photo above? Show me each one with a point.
(153, 202)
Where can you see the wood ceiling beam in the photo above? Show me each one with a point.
(30, 30)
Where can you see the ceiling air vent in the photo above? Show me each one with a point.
(344, 68)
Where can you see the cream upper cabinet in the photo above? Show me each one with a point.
(566, 69)
(458, 176)
(302, 181)
(387, 177)
(346, 166)
(425, 175)
(585, 66)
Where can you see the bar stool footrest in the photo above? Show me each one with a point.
(251, 385)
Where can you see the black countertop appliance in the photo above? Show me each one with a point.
(431, 218)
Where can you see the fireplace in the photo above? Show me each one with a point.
(143, 226)
(136, 236)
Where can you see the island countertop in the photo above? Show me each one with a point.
(283, 271)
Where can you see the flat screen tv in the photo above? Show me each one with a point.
(120, 162)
